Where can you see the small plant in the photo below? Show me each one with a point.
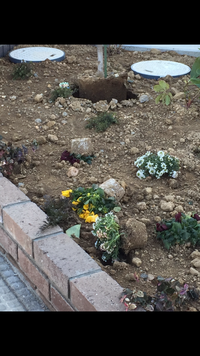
(194, 80)
(89, 202)
(163, 89)
(64, 91)
(179, 230)
(10, 156)
(102, 121)
(22, 70)
(58, 212)
(157, 165)
(108, 237)
(72, 157)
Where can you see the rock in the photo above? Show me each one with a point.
(16, 137)
(41, 140)
(82, 146)
(136, 261)
(24, 190)
(170, 257)
(143, 98)
(145, 221)
(113, 104)
(196, 262)
(179, 95)
(126, 103)
(180, 209)
(141, 206)
(167, 206)
(157, 218)
(64, 114)
(61, 100)
(113, 188)
(194, 272)
(13, 97)
(120, 265)
(72, 172)
(40, 192)
(147, 190)
(130, 277)
(101, 105)
(134, 150)
(174, 91)
(52, 138)
(136, 235)
(155, 51)
(71, 59)
(173, 183)
(191, 309)
(58, 165)
(169, 197)
(38, 98)
(76, 106)
(50, 124)
(38, 121)
(195, 253)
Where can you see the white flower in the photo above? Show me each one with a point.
(152, 171)
(149, 164)
(148, 153)
(64, 85)
(140, 174)
(160, 154)
(163, 165)
(140, 162)
(174, 174)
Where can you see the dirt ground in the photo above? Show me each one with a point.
(145, 126)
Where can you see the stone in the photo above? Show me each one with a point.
(134, 150)
(71, 59)
(52, 138)
(179, 95)
(113, 189)
(196, 262)
(167, 206)
(194, 272)
(170, 257)
(120, 265)
(130, 277)
(141, 206)
(113, 104)
(13, 97)
(136, 235)
(126, 103)
(143, 98)
(145, 221)
(38, 121)
(136, 261)
(82, 146)
(76, 106)
(195, 253)
(16, 137)
(41, 140)
(101, 105)
(169, 197)
(147, 190)
(38, 98)
(173, 183)
(180, 209)
(50, 124)
(72, 172)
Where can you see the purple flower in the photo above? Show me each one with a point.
(197, 217)
(67, 156)
(161, 227)
(178, 217)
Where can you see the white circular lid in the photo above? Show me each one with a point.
(36, 54)
(156, 69)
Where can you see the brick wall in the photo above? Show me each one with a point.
(61, 272)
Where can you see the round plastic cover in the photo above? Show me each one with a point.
(36, 54)
(158, 69)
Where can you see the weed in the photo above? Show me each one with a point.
(22, 70)
(102, 121)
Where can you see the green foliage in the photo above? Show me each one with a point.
(163, 89)
(62, 92)
(108, 237)
(194, 80)
(102, 121)
(58, 211)
(22, 70)
(95, 198)
(10, 157)
(179, 230)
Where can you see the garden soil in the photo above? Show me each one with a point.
(142, 126)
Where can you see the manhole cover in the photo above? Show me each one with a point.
(158, 69)
(36, 54)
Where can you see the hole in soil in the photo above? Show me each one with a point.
(103, 89)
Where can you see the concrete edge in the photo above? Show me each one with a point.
(64, 276)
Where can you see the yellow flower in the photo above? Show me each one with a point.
(85, 206)
(75, 202)
(66, 193)
(91, 218)
(74, 209)
(88, 194)
(79, 199)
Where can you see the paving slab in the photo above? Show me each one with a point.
(15, 292)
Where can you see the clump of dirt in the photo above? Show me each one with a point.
(28, 117)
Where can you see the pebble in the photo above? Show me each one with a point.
(166, 206)
(136, 261)
(170, 257)
(38, 98)
(193, 271)
(151, 260)
(64, 114)
(143, 98)
(38, 121)
(52, 138)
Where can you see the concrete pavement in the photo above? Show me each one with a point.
(15, 292)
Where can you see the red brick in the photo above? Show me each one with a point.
(8, 244)
(96, 291)
(33, 274)
(23, 222)
(62, 258)
(9, 193)
(58, 301)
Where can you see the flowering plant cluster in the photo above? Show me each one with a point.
(72, 157)
(64, 85)
(157, 165)
(89, 202)
(9, 156)
(108, 237)
(179, 230)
